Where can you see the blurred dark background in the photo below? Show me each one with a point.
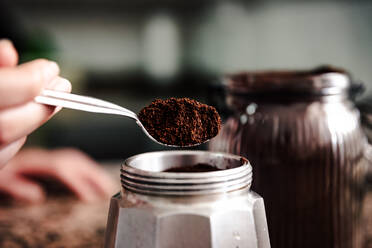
(131, 52)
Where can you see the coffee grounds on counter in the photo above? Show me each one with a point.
(180, 121)
(194, 168)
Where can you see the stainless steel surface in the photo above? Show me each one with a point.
(158, 209)
(91, 104)
(308, 150)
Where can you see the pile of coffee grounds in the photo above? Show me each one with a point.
(194, 168)
(180, 121)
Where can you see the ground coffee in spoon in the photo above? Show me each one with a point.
(180, 121)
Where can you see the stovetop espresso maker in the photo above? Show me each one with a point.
(157, 209)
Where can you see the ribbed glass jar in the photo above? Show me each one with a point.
(302, 134)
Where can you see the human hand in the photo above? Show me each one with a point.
(74, 169)
(19, 114)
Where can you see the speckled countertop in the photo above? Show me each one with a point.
(61, 222)
(58, 223)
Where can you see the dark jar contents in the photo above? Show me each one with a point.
(302, 135)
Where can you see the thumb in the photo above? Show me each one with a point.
(23, 190)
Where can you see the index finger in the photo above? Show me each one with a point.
(22, 83)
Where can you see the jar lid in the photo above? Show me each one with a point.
(323, 80)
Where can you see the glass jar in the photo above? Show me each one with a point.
(158, 209)
(302, 134)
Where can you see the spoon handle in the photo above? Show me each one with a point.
(84, 103)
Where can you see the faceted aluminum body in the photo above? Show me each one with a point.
(234, 220)
(157, 209)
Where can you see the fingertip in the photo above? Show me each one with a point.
(67, 86)
(26, 191)
(41, 73)
(6, 42)
(102, 183)
(51, 70)
(43, 70)
(32, 197)
(8, 54)
(60, 84)
(86, 194)
(35, 195)
(110, 187)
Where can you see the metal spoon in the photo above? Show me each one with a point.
(91, 104)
